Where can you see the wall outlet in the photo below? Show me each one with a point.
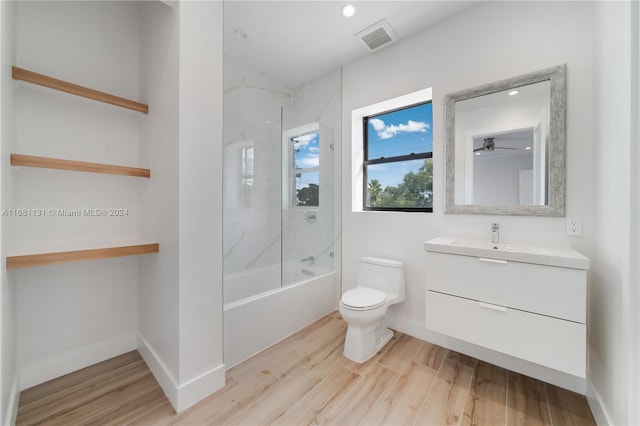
(574, 226)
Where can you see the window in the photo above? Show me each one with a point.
(306, 169)
(398, 164)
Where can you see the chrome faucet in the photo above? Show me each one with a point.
(310, 259)
(495, 233)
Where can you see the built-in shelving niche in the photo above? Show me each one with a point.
(55, 257)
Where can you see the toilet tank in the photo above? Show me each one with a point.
(382, 274)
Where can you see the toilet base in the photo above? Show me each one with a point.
(362, 343)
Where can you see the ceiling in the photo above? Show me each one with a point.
(293, 42)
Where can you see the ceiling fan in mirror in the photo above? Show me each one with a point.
(489, 144)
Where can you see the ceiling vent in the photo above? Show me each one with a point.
(378, 35)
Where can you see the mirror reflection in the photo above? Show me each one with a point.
(505, 146)
(502, 137)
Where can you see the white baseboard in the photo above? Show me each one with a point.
(184, 395)
(558, 378)
(597, 406)
(200, 387)
(12, 406)
(163, 375)
(74, 360)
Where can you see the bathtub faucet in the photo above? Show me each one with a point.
(495, 233)
(309, 259)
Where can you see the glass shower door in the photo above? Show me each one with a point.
(307, 199)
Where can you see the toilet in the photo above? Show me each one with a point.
(380, 284)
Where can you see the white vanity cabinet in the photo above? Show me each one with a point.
(534, 311)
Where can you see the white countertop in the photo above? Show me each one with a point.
(551, 256)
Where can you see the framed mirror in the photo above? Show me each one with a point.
(505, 146)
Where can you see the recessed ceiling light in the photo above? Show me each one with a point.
(528, 147)
(241, 34)
(477, 153)
(513, 92)
(348, 10)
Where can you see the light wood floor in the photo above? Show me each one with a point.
(306, 380)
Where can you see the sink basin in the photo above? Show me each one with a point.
(492, 246)
(562, 257)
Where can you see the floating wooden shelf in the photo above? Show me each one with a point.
(74, 89)
(80, 166)
(52, 258)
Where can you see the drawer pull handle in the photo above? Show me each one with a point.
(500, 261)
(492, 307)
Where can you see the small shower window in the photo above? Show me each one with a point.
(306, 169)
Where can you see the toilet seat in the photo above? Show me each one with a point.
(363, 298)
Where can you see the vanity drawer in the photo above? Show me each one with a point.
(548, 290)
(551, 342)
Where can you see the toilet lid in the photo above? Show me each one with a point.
(363, 298)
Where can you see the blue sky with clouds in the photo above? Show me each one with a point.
(306, 155)
(306, 151)
(396, 133)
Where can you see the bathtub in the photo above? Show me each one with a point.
(257, 321)
(255, 282)
(246, 284)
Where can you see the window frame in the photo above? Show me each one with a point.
(385, 160)
(289, 194)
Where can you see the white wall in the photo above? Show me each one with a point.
(159, 275)
(634, 339)
(9, 386)
(614, 284)
(490, 42)
(182, 290)
(73, 315)
(201, 356)
(496, 179)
